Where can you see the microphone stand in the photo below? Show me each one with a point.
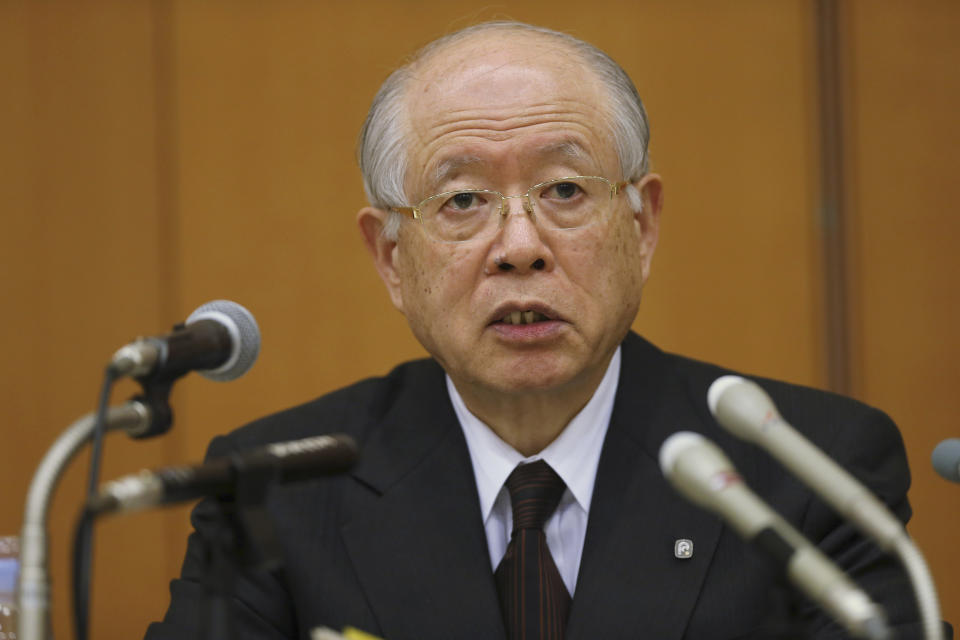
(143, 416)
(33, 589)
(243, 538)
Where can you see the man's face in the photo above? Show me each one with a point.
(504, 112)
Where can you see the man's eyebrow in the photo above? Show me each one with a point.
(452, 166)
(567, 149)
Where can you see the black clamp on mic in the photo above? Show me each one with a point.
(220, 340)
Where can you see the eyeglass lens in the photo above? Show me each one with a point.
(565, 203)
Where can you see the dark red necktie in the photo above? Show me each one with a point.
(533, 598)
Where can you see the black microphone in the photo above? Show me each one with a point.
(220, 339)
(281, 462)
(946, 459)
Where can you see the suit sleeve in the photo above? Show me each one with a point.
(258, 607)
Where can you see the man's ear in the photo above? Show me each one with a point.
(650, 188)
(384, 250)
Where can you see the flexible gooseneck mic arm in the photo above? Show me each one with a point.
(33, 592)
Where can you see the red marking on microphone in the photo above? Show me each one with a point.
(723, 479)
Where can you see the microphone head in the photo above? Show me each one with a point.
(244, 334)
(946, 459)
(675, 445)
(741, 407)
(697, 468)
(716, 390)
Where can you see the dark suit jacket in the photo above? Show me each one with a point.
(397, 547)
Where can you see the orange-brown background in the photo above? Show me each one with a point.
(154, 155)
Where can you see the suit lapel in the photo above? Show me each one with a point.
(418, 546)
(630, 584)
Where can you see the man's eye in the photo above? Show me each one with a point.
(563, 190)
(464, 200)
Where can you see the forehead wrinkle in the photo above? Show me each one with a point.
(481, 130)
(563, 110)
(573, 143)
(451, 166)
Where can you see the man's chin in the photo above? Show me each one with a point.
(529, 377)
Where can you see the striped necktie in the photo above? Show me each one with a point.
(533, 598)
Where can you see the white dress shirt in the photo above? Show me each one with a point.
(574, 455)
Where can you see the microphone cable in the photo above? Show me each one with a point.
(83, 535)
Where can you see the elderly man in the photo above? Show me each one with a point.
(508, 487)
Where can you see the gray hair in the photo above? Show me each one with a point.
(381, 150)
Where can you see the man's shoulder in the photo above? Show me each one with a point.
(861, 438)
(791, 398)
(354, 409)
(828, 419)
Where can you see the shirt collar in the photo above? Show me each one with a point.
(574, 454)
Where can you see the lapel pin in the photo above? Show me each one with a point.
(683, 548)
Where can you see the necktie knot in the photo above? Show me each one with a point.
(535, 491)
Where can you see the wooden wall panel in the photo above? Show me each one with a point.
(730, 92)
(79, 268)
(903, 137)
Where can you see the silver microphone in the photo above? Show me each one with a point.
(700, 471)
(744, 408)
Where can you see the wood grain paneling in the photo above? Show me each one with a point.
(904, 136)
(80, 264)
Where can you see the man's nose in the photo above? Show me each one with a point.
(519, 246)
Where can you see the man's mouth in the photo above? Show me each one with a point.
(523, 317)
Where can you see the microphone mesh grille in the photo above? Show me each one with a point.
(245, 350)
(946, 459)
